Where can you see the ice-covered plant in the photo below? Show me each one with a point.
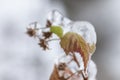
(77, 39)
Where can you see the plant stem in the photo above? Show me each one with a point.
(35, 25)
(52, 40)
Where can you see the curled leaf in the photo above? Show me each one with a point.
(73, 42)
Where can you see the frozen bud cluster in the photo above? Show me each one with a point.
(78, 41)
(87, 32)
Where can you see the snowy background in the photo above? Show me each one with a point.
(22, 59)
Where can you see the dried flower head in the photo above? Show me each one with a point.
(43, 44)
(31, 32)
(47, 34)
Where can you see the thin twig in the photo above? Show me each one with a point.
(52, 40)
(43, 28)
(70, 61)
(35, 25)
(85, 78)
(74, 74)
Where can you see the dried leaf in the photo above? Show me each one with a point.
(55, 75)
(47, 34)
(43, 44)
(73, 42)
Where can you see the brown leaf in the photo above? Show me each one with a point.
(54, 75)
(73, 42)
(43, 44)
(47, 34)
(48, 24)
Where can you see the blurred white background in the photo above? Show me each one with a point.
(22, 59)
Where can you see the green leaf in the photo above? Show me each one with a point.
(57, 30)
